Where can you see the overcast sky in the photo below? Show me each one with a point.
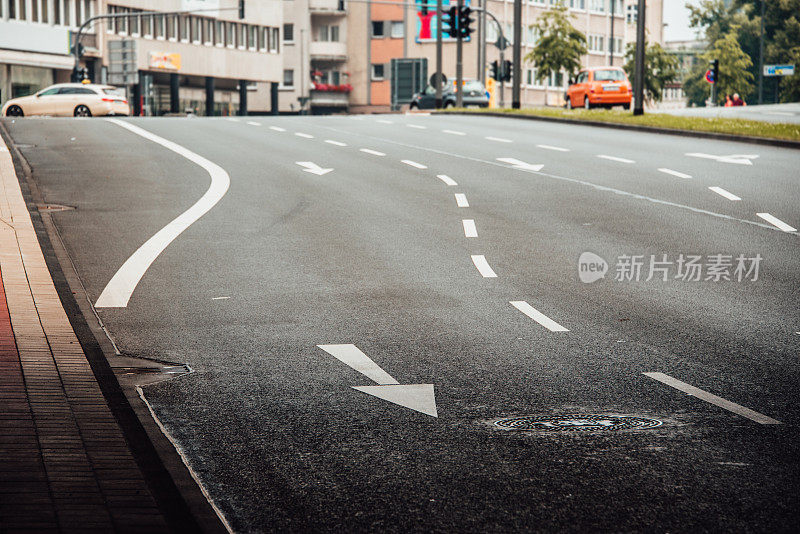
(676, 16)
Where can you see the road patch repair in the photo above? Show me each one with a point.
(576, 423)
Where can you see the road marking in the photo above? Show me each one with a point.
(738, 159)
(614, 158)
(726, 194)
(777, 222)
(417, 126)
(446, 179)
(232, 119)
(277, 128)
(219, 298)
(337, 143)
(414, 164)
(498, 139)
(373, 152)
(674, 173)
(483, 266)
(417, 397)
(713, 399)
(453, 132)
(384, 122)
(313, 168)
(252, 123)
(537, 316)
(461, 200)
(305, 135)
(120, 288)
(521, 164)
(556, 148)
(469, 228)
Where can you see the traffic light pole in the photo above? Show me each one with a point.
(517, 70)
(459, 65)
(438, 54)
(638, 79)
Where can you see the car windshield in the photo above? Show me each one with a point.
(609, 75)
(114, 91)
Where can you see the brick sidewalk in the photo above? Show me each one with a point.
(65, 465)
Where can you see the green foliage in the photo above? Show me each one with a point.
(735, 71)
(660, 68)
(560, 45)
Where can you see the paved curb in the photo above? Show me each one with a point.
(783, 143)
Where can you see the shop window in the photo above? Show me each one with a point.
(288, 78)
(288, 33)
(377, 28)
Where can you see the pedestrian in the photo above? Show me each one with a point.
(737, 100)
(728, 101)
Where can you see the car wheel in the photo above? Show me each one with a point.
(586, 103)
(413, 106)
(568, 105)
(448, 105)
(14, 111)
(82, 111)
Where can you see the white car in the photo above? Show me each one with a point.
(70, 100)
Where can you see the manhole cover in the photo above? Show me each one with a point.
(576, 423)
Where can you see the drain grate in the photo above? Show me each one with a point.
(577, 423)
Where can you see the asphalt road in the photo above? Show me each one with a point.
(376, 253)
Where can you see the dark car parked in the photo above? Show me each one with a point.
(474, 96)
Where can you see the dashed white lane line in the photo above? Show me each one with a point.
(724, 193)
(337, 143)
(498, 139)
(556, 148)
(414, 164)
(417, 126)
(777, 222)
(538, 316)
(277, 128)
(713, 399)
(373, 152)
(483, 266)
(614, 158)
(461, 200)
(219, 298)
(469, 228)
(253, 123)
(384, 121)
(446, 179)
(453, 132)
(674, 173)
(304, 135)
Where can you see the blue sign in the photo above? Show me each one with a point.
(778, 70)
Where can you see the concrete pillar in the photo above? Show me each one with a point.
(174, 93)
(242, 97)
(273, 98)
(209, 96)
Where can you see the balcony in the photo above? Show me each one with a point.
(328, 51)
(326, 7)
(329, 99)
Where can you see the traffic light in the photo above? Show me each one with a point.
(464, 22)
(495, 68)
(506, 74)
(715, 70)
(241, 9)
(450, 22)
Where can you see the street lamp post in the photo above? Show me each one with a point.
(638, 80)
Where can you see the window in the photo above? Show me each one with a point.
(159, 26)
(322, 33)
(288, 78)
(171, 24)
(577, 4)
(398, 30)
(208, 37)
(218, 37)
(274, 41)
(377, 28)
(631, 13)
(183, 28)
(35, 11)
(263, 38)
(240, 35)
(335, 34)
(618, 9)
(49, 92)
(147, 26)
(230, 34)
(377, 71)
(288, 33)
(57, 12)
(597, 5)
(133, 25)
(251, 37)
(609, 75)
(195, 26)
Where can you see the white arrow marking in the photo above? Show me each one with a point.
(417, 397)
(738, 159)
(521, 164)
(313, 168)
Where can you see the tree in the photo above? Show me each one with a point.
(660, 68)
(734, 65)
(560, 45)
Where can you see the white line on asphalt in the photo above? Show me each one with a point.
(724, 193)
(417, 126)
(352, 356)
(537, 316)
(219, 298)
(713, 399)
(453, 132)
(120, 288)
(461, 200)
(674, 173)
(414, 164)
(446, 179)
(337, 143)
(614, 158)
(483, 266)
(498, 139)
(777, 222)
(253, 123)
(373, 152)
(556, 148)
(305, 135)
(384, 122)
(469, 228)
(277, 128)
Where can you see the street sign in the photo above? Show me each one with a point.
(778, 70)
(710, 76)
(122, 68)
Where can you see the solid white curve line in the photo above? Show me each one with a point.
(724, 193)
(614, 158)
(417, 126)
(713, 399)
(446, 179)
(277, 128)
(252, 123)
(414, 164)
(461, 200)
(119, 289)
(483, 266)
(453, 132)
(674, 173)
(777, 222)
(304, 135)
(352, 356)
(556, 148)
(537, 316)
(469, 228)
(373, 152)
(498, 139)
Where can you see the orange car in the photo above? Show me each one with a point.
(599, 86)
